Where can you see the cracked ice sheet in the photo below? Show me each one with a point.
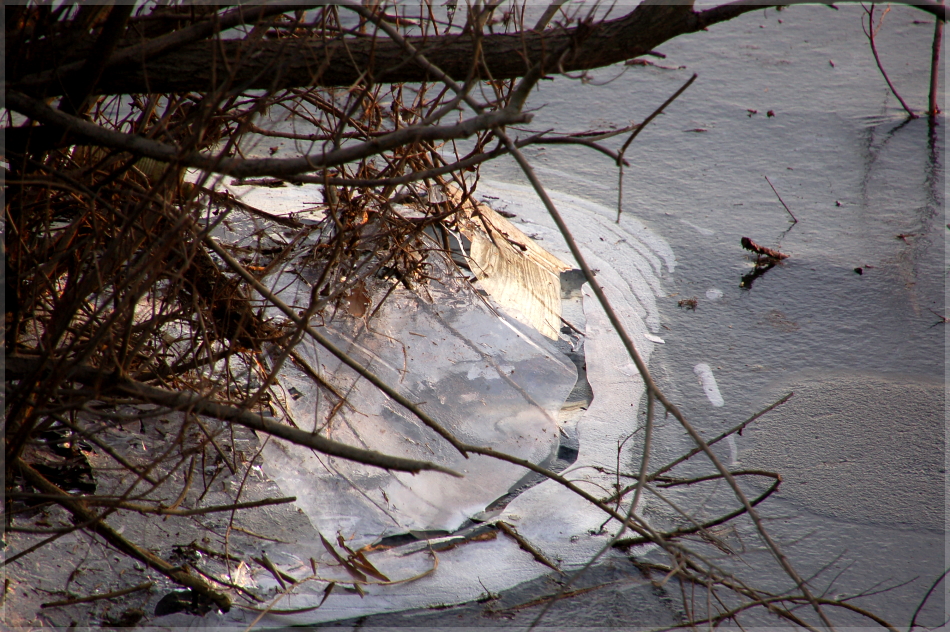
(636, 253)
(554, 519)
(488, 380)
(629, 258)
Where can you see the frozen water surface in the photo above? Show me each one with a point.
(489, 380)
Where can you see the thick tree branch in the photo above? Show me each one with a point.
(280, 64)
(732, 10)
(80, 85)
(273, 65)
(153, 48)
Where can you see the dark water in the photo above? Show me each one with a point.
(867, 186)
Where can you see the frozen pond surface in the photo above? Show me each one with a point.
(868, 191)
(490, 381)
(487, 380)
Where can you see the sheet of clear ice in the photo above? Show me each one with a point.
(487, 379)
(478, 378)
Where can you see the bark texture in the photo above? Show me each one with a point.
(288, 63)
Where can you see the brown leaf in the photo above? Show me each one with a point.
(358, 300)
(363, 563)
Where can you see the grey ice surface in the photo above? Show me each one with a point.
(858, 447)
(864, 355)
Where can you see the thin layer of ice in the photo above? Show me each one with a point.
(629, 258)
(708, 382)
(487, 380)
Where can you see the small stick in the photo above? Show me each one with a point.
(941, 316)
(90, 598)
(548, 14)
(527, 546)
(258, 535)
(224, 582)
(748, 244)
(578, 331)
(870, 34)
(636, 132)
(214, 443)
(555, 597)
(935, 66)
(200, 511)
(913, 620)
(280, 576)
(794, 219)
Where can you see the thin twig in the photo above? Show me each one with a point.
(794, 219)
(279, 575)
(711, 442)
(934, 109)
(920, 606)
(547, 599)
(527, 546)
(200, 511)
(943, 319)
(777, 480)
(215, 445)
(870, 32)
(702, 528)
(549, 14)
(640, 127)
(91, 598)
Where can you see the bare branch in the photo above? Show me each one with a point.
(200, 404)
(95, 524)
(248, 168)
(870, 32)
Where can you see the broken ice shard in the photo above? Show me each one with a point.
(488, 379)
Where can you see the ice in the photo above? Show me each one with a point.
(493, 382)
(488, 380)
(630, 248)
(708, 381)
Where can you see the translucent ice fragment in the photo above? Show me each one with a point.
(708, 380)
(489, 381)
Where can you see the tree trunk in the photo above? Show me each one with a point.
(287, 63)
